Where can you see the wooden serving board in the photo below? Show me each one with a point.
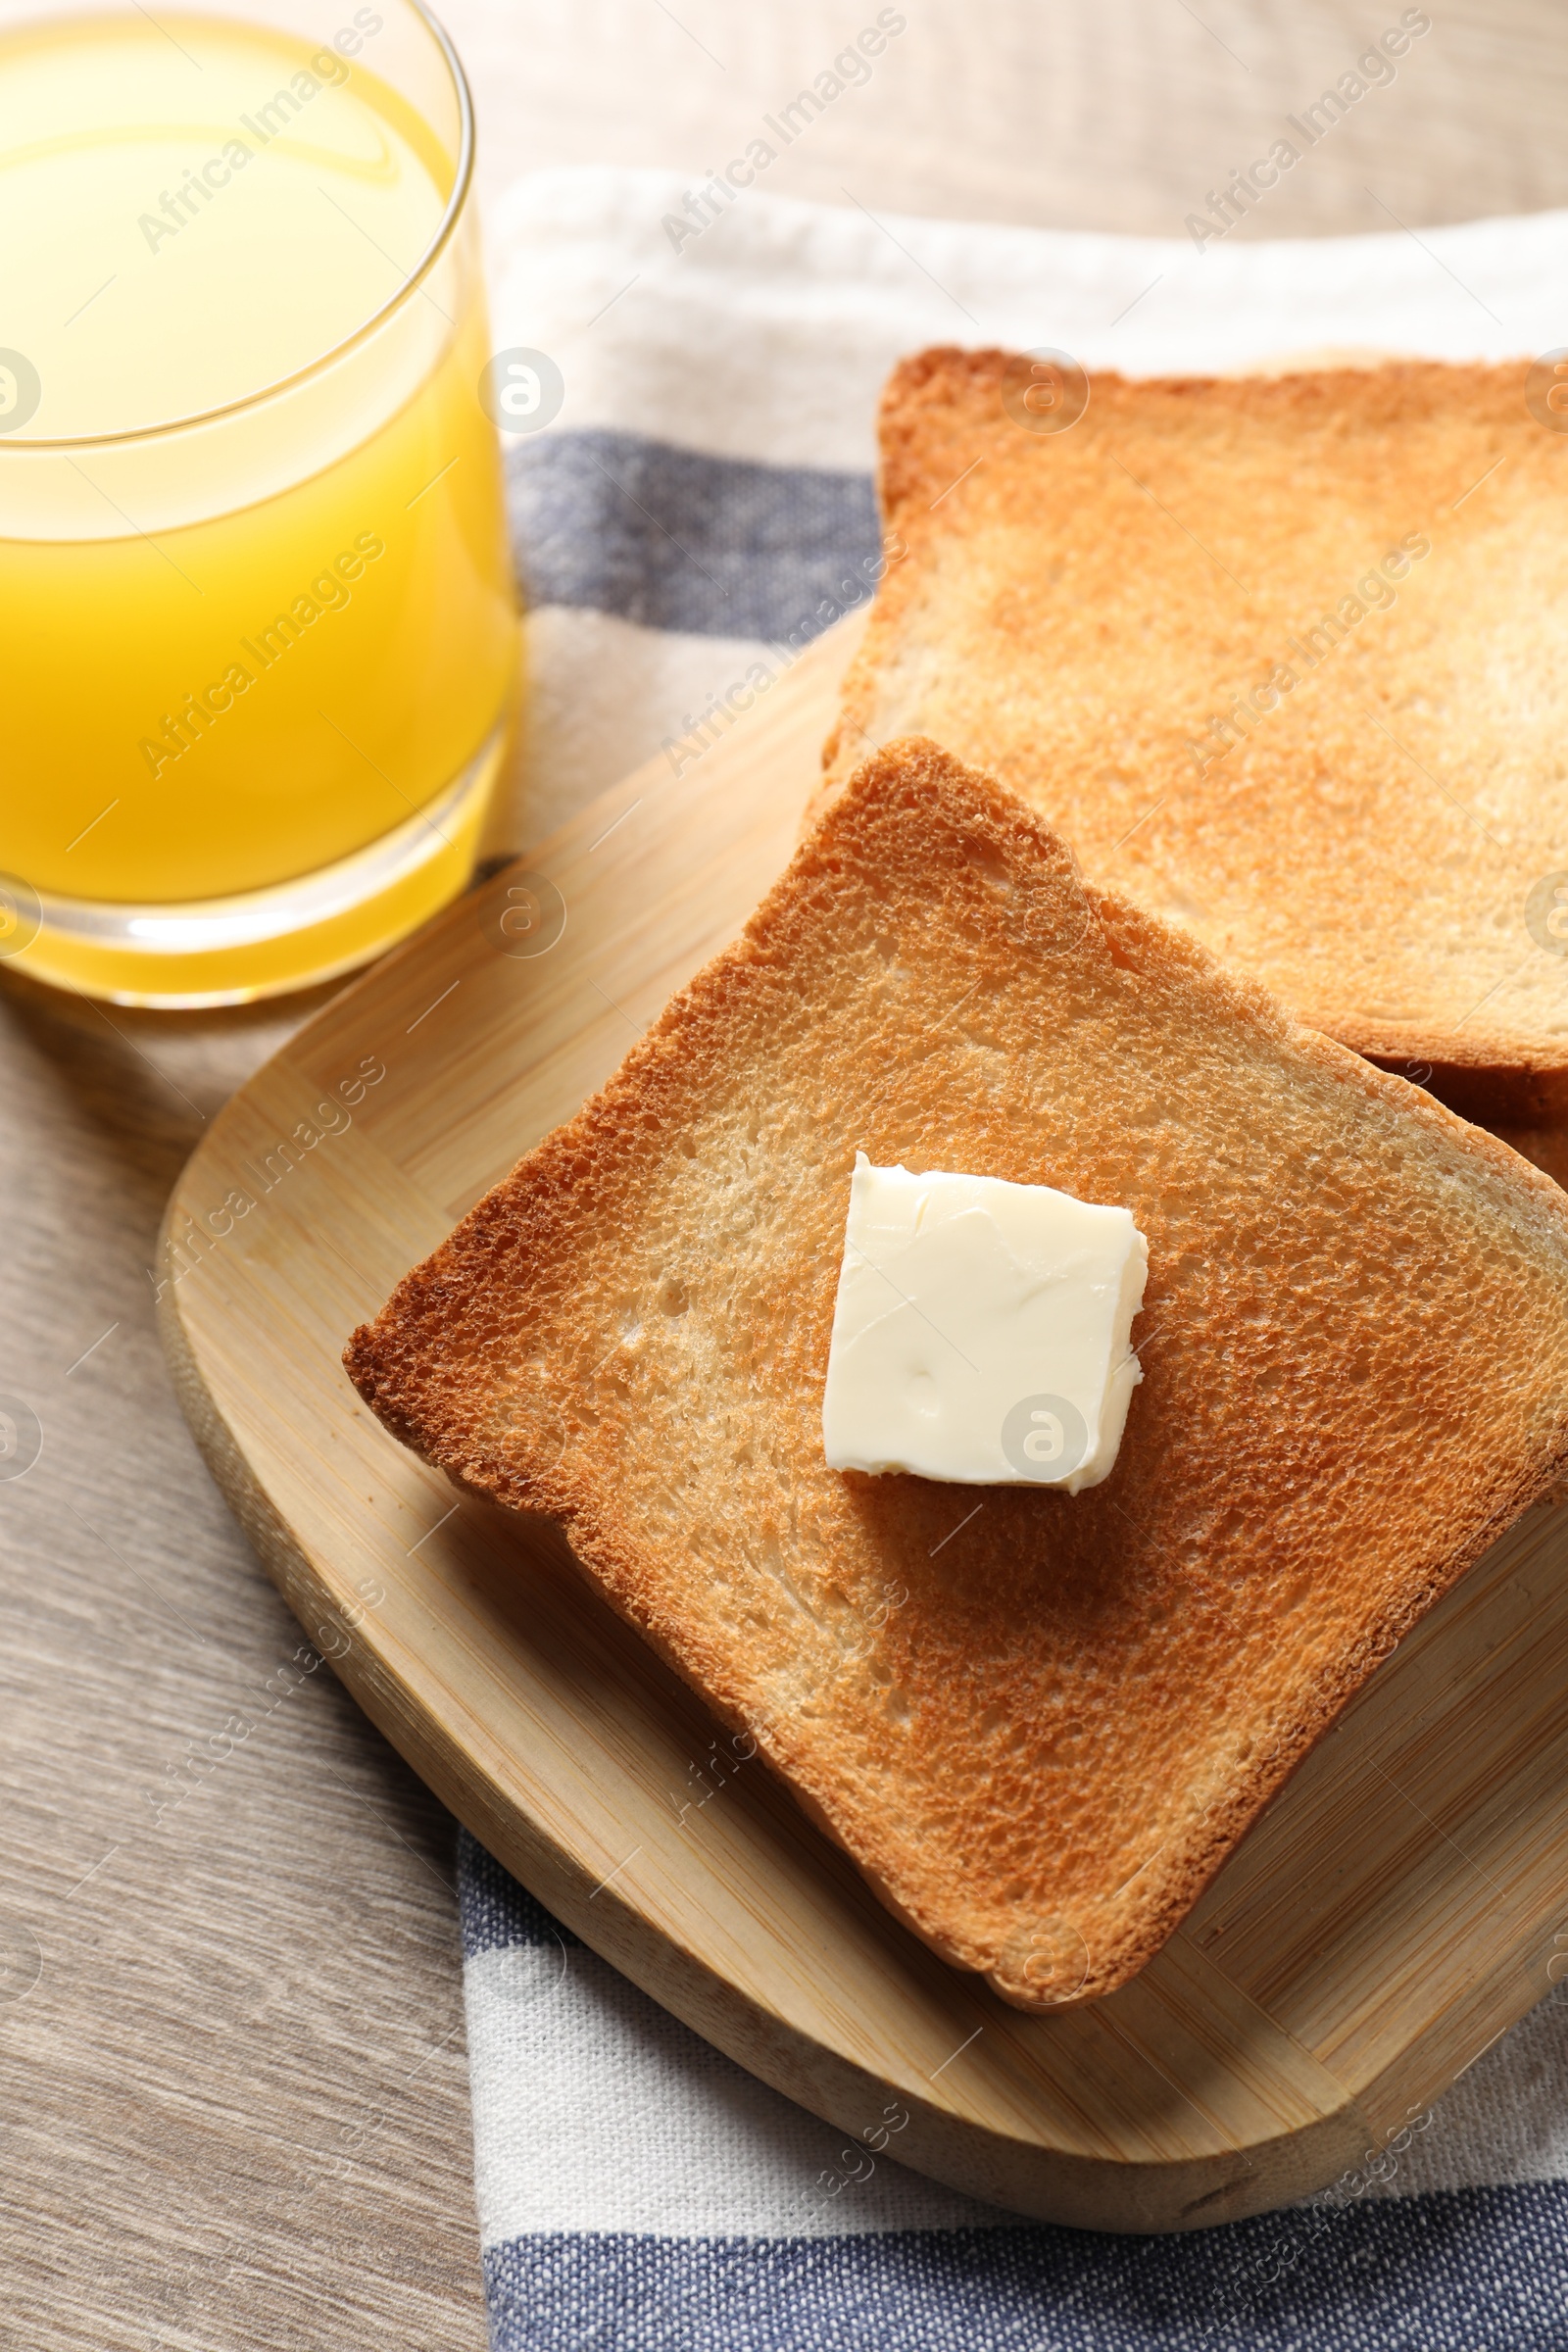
(1395, 1908)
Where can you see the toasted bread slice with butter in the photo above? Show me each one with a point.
(1038, 1721)
(1286, 660)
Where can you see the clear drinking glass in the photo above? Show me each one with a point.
(257, 623)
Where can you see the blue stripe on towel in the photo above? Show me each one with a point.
(713, 547)
(1472, 2271)
(496, 1912)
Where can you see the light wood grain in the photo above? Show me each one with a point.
(223, 2005)
(1082, 114)
(1388, 1918)
(236, 2096)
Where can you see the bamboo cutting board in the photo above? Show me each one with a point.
(1395, 1909)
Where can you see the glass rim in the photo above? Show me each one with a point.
(440, 238)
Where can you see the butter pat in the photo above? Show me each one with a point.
(982, 1331)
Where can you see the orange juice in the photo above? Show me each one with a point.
(256, 611)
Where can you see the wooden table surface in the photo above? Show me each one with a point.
(230, 2026)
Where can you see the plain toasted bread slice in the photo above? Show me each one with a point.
(1286, 660)
(1037, 1721)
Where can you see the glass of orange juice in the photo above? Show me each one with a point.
(257, 623)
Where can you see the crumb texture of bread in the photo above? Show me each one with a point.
(1197, 632)
(1038, 1723)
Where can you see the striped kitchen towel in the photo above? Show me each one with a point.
(689, 379)
(639, 2192)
